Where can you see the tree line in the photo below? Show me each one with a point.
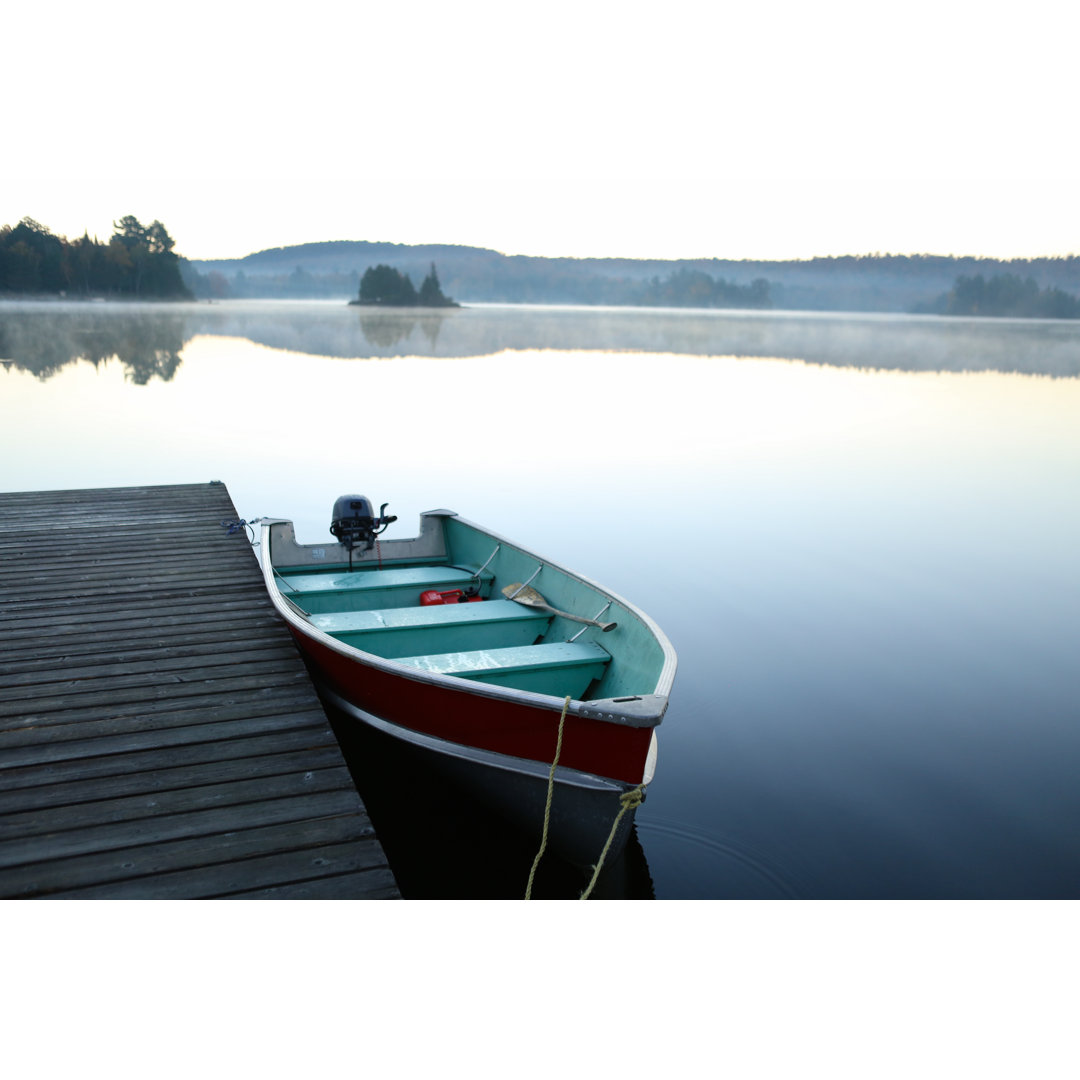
(385, 285)
(1005, 295)
(695, 288)
(873, 282)
(138, 261)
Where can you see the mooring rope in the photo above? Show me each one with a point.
(241, 525)
(630, 800)
(547, 805)
(235, 525)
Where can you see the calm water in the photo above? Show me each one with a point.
(861, 534)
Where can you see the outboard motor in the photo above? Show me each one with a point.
(354, 523)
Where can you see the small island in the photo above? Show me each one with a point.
(383, 286)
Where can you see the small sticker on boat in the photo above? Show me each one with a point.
(318, 553)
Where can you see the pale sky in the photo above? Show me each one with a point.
(585, 128)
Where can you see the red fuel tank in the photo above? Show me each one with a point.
(451, 596)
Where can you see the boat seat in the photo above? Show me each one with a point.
(413, 631)
(559, 668)
(356, 590)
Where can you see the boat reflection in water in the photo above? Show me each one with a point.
(442, 844)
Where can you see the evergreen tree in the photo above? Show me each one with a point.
(35, 259)
(1007, 295)
(431, 294)
(137, 261)
(384, 285)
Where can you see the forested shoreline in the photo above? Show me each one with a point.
(928, 284)
(1004, 296)
(138, 261)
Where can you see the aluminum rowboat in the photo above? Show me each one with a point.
(430, 640)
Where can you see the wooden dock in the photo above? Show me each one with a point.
(159, 734)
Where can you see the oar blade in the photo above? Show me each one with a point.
(524, 594)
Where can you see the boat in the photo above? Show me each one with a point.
(534, 687)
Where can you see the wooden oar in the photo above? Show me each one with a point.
(525, 594)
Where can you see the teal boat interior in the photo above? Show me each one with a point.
(436, 603)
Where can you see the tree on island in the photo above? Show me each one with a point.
(386, 287)
(431, 295)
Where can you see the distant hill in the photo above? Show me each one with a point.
(335, 256)
(886, 283)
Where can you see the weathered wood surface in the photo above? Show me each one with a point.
(159, 735)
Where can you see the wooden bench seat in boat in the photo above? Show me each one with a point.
(398, 586)
(559, 668)
(414, 631)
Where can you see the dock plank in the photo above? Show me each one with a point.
(142, 808)
(168, 730)
(137, 870)
(295, 869)
(61, 775)
(376, 882)
(161, 783)
(201, 821)
(159, 734)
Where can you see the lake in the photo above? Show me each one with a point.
(861, 534)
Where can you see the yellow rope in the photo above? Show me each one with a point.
(629, 800)
(547, 807)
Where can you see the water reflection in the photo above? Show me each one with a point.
(149, 339)
(389, 330)
(444, 845)
(44, 339)
(870, 579)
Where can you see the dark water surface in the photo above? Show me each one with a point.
(860, 533)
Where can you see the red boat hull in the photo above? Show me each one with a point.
(514, 728)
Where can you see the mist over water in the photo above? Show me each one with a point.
(860, 533)
(41, 337)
